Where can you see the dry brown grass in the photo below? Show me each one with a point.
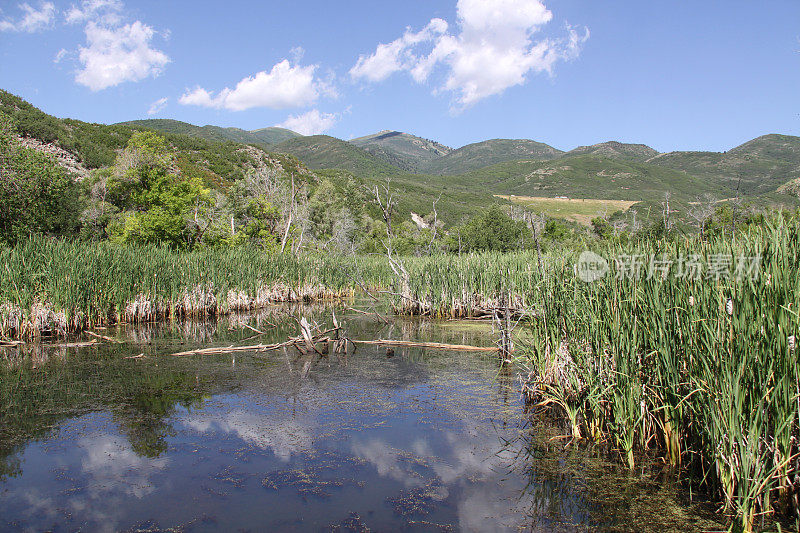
(580, 210)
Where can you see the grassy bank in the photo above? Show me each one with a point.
(61, 286)
(57, 286)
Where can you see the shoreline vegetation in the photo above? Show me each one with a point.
(702, 372)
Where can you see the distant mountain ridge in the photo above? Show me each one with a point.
(766, 165)
(757, 166)
(616, 150)
(491, 152)
(263, 136)
(320, 152)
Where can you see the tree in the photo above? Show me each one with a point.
(161, 206)
(702, 211)
(492, 230)
(601, 227)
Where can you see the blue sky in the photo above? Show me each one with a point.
(675, 75)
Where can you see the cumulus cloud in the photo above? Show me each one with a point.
(116, 54)
(284, 86)
(310, 123)
(493, 49)
(157, 106)
(397, 55)
(109, 460)
(32, 19)
(283, 437)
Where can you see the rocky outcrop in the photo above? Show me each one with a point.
(62, 157)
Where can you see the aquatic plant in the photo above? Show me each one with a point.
(702, 370)
(62, 286)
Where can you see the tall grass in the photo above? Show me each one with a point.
(68, 285)
(464, 285)
(702, 371)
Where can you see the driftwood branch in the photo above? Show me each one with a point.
(306, 342)
(436, 345)
(104, 337)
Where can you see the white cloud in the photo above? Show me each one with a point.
(397, 55)
(284, 86)
(310, 123)
(106, 11)
(109, 459)
(284, 437)
(157, 106)
(492, 51)
(32, 20)
(118, 54)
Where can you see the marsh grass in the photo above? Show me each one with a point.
(701, 371)
(59, 286)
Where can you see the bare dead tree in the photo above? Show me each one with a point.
(702, 211)
(293, 209)
(618, 225)
(434, 225)
(387, 204)
(666, 212)
(205, 214)
(536, 224)
(636, 225)
(737, 202)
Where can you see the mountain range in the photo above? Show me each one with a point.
(763, 171)
(763, 166)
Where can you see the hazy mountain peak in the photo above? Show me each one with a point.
(402, 150)
(617, 150)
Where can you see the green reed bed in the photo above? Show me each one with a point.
(67, 285)
(702, 370)
(465, 285)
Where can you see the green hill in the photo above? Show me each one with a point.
(325, 152)
(264, 136)
(616, 150)
(486, 153)
(96, 145)
(463, 180)
(585, 176)
(759, 166)
(402, 150)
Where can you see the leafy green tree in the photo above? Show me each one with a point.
(159, 204)
(602, 227)
(492, 230)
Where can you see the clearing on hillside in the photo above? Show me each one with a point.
(580, 210)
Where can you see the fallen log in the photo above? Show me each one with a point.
(231, 349)
(11, 343)
(104, 337)
(92, 342)
(435, 345)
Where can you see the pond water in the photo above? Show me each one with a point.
(428, 440)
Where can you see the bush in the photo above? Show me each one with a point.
(36, 194)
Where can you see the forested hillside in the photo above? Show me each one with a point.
(170, 182)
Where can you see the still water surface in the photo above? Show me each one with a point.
(420, 440)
